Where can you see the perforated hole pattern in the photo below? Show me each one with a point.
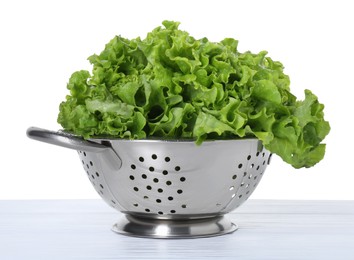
(153, 182)
(96, 178)
(250, 174)
(159, 187)
(165, 186)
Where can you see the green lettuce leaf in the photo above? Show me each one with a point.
(171, 85)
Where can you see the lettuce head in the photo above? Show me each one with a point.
(173, 86)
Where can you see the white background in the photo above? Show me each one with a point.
(43, 42)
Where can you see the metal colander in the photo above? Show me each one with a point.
(169, 189)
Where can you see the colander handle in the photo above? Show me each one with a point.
(65, 140)
(110, 158)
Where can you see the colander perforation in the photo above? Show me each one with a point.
(157, 182)
(250, 177)
(96, 178)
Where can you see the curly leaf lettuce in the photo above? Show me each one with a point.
(171, 85)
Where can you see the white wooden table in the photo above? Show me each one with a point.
(80, 229)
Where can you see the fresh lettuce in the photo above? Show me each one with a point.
(173, 86)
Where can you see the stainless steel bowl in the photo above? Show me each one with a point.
(169, 189)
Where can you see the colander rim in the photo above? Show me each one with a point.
(160, 139)
(166, 140)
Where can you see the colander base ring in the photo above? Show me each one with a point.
(169, 228)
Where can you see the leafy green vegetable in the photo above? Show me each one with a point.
(171, 85)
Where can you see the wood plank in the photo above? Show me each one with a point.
(268, 229)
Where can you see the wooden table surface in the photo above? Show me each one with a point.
(268, 229)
